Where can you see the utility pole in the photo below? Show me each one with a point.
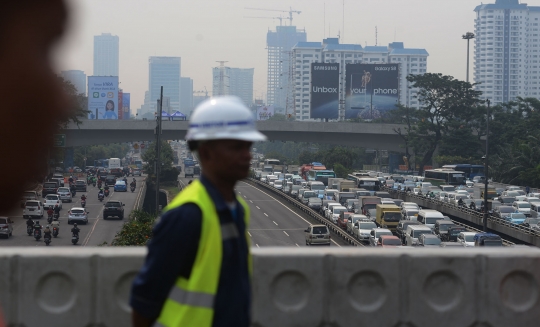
(486, 170)
(158, 148)
(468, 36)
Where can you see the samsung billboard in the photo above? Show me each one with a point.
(103, 97)
(371, 90)
(325, 90)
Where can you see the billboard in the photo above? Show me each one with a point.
(120, 97)
(325, 90)
(103, 97)
(371, 90)
(265, 113)
(126, 105)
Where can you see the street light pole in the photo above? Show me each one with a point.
(468, 36)
(158, 147)
(486, 170)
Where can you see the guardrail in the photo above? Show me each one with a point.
(299, 287)
(501, 226)
(310, 212)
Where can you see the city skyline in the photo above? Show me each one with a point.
(224, 34)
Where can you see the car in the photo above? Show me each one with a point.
(503, 211)
(479, 179)
(329, 207)
(6, 226)
(353, 220)
(51, 200)
(110, 180)
(429, 240)
(314, 203)
(466, 239)
(343, 219)
(487, 239)
(136, 172)
(317, 235)
(516, 218)
(388, 241)
(336, 211)
(80, 185)
(452, 233)
(78, 215)
(49, 188)
(307, 195)
(362, 229)
(402, 228)
(413, 232)
(120, 186)
(442, 226)
(113, 209)
(33, 208)
(506, 199)
(532, 223)
(300, 194)
(375, 233)
(29, 195)
(523, 207)
(65, 194)
(451, 245)
(469, 183)
(351, 204)
(510, 193)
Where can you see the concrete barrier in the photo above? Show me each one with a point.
(297, 287)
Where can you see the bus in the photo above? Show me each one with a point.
(444, 177)
(368, 183)
(320, 176)
(115, 163)
(271, 162)
(469, 170)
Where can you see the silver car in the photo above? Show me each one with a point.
(362, 229)
(317, 234)
(65, 194)
(77, 214)
(6, 226)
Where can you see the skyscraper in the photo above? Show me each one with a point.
(233, 81)
(506, 50)
(77, 78)
(164, 71)
(186, 94)
(106, 55)
(280, 79)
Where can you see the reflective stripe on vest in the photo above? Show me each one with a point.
(191, 302)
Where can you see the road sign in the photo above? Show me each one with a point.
(135, 146)
(59, 140)
(142, 146)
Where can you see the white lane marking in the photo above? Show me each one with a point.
(265, 214)
(245, 197)
(257, 245)
(297, 244)
(258, 207)
(275, 223)
(249, 234)
(286, 233)
(336, 243)
(87, 239)
(250, 201)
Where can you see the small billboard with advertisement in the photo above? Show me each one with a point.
(325, 90)
(126, 105)
(265, 112)
(103, 97)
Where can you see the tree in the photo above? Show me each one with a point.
(341, 171)
(447, 105)
(167, 172)
(78, 103)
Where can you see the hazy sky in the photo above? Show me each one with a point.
(204, 31)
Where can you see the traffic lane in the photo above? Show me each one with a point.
(95, 232)
(286, 216)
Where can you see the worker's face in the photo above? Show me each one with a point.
(228, 159)
(33, 99)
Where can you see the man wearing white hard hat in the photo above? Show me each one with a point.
(198, 268)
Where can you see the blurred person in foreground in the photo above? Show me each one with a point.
(33, 101)
(198, 268)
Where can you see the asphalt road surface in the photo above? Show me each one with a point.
(96, 232)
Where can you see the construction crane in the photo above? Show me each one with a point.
(290, 11)
(280, 18)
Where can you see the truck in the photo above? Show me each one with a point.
(307, 167)
(293, 169)
(115, 163)
(368, 205)
(388, 216)
(345, 185)
(268, 168)
(279, 168)
(189, 171)
(333, 182)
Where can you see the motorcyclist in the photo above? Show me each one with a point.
(47, 232)
(106, 187)
(99, 183)
(37, 226)
(50, 211)
(56, 224)
(73, 189)
(460, 202)
(472, 206)
(70, 179)
(133, 184)
(57, 209)
(29, 223)
(83, 197)
(75, 230)
(125, 180)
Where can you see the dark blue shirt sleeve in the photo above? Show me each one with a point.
(171, 253)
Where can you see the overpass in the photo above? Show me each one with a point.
(378, 136)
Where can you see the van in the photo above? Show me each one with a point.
(49, 188)
(414, 232)
(317, 187)
(33, 208)
(329, 194)
(428, 217)
(317, 234)
(28, 195)
(342, 197)
(329, 209)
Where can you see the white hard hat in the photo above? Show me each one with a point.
(223, 118)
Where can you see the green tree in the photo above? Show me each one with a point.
(341, 171)
(78, 103)
(168, 172)
(137, 231)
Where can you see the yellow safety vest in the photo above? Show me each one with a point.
(191, 301)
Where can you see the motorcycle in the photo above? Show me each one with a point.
(100, 197)
(56, 216)
(74, 238)
(29, 230)
(73, 193)
(55, 232)
(132, 189)
(37, 234)
(47, 239)
(83, 203)
(94, 183)
(106, 192)
(49, 219)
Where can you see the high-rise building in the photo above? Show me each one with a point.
(410, 61)
(233, 81)
(186, 94)
(106, 55)
(279, 80)
(164, 71)
(507, 51)
(77, 78)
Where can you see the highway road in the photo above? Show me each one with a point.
(273, 223)
(96, 232)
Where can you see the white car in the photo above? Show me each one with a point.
(33, 209)
(362, 229)
(65, 194)
(328, 210)
(463, 192)
(77, 214)
(336, 211)
(466, 238)
(354, 219)
(51, 200)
